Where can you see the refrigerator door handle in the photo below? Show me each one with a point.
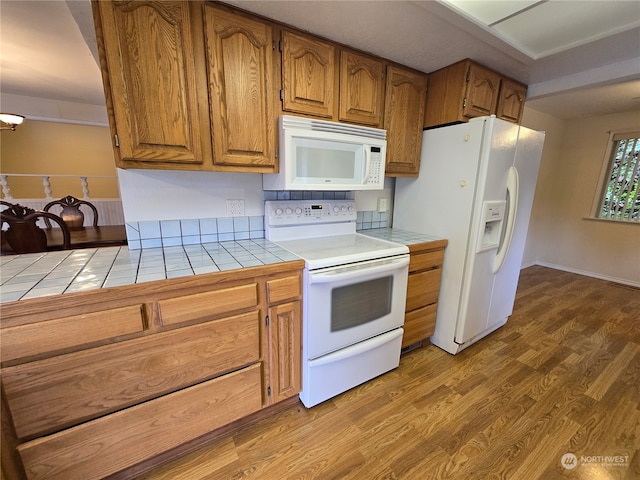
(513, 183)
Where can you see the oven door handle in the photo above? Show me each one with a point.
(375, 267)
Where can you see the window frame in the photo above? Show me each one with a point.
(605, 175)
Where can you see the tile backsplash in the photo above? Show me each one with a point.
(168, 233)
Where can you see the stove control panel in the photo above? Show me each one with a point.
(302, 212)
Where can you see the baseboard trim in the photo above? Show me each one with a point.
(624, 281)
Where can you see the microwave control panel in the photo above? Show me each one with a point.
(376, 167)
(301, 212)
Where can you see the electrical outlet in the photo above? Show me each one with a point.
(382, 204)
(235, 208)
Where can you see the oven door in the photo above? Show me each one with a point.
(350, 303)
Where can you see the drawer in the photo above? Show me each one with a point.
(106, 445)
(419, 324)
(58, 392)
(423, 288)
(283, 289)
(427, 260)
(42, 337)
(204, 306)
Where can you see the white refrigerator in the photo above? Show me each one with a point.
(475, 188)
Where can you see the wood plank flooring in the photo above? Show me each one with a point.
(563, 376)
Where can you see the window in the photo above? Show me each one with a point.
(620, 197)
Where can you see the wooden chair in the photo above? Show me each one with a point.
(71, 213)
(23, 235)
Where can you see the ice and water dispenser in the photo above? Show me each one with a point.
(491, 225)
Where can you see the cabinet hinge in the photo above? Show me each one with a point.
(276, 153)
(266, 321)
(464, 102)
(268, 390)
(117, 140)
(281, 94)
(273, 45)
(468, 75)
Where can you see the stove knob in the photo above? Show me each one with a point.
(351, 208)
(289, 211)
(278, 211)
(336, 209)
(344, 209)
(298, 211)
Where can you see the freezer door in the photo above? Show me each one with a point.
(498, 156)
(440, 203)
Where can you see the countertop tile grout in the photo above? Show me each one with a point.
(41, 274)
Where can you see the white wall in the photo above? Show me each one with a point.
(551, 154)
(179, 195)
(561, 234)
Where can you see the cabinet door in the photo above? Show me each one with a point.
(482, 91)
(285, 351)
(406, 95)
(308, 75)
(101, 447)
(511, 100)
(361, 89)
(419, 324)
(239, 55)
(150, 84)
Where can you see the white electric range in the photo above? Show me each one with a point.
(354, 299)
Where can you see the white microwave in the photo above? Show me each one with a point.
(321, 155)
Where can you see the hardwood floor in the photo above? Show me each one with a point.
(563, 376)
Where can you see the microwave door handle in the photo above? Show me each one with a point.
(367, 166)
(329, 276)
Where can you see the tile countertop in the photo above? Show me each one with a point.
(399, 236)
(52, 273)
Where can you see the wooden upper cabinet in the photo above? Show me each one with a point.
(148, 57)
(467, 89)
(406, 92)
(308, 75)
(511, 100)
(361, 89)
(481, 96)
(239, 53)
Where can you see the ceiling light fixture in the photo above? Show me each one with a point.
(9, 121)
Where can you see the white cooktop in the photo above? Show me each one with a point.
(323, 233)
(341, 249)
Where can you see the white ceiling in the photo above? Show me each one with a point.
(565, 24)
(579, 57)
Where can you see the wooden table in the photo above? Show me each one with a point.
(88, 237)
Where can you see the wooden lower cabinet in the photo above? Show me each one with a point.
(423, 288)
(104, 446)
(155, 366)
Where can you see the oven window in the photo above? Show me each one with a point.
(360, 303)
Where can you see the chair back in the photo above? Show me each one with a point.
(23, 235)
(71, 213)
